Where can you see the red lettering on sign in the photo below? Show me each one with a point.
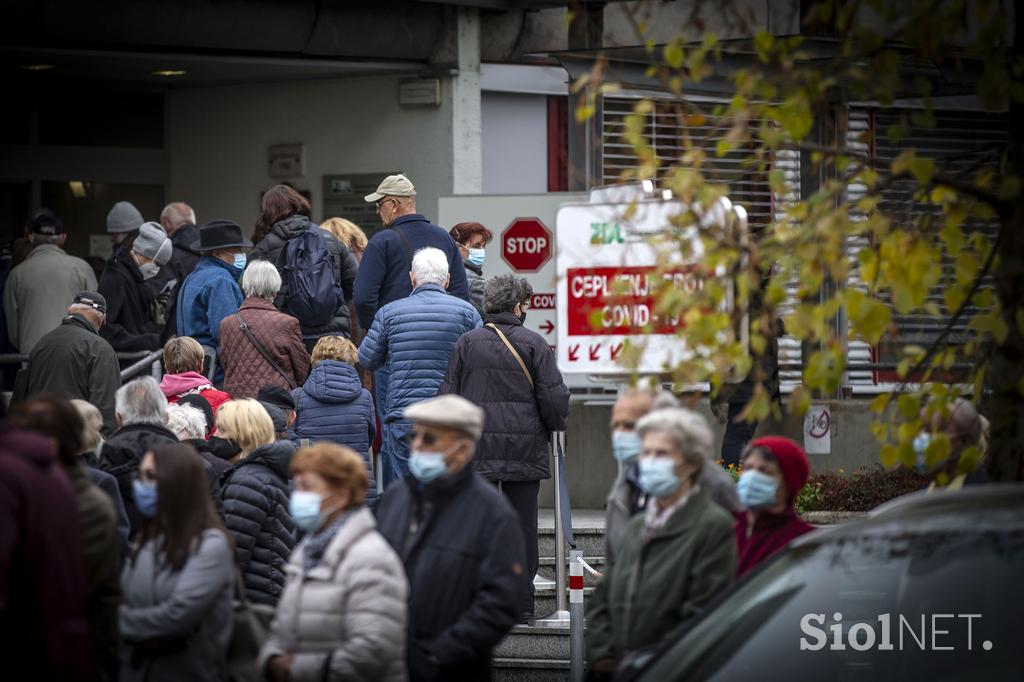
(542, 301)
(610, 300)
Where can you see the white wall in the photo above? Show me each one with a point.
(514, 143)
(218, 139)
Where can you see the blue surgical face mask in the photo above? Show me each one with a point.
(427, 466)
(626, 446)
(144, 495)
(477, 257)
(921, 443)
(658, 476)
(304, 506)
(239, 260)
(756, 490)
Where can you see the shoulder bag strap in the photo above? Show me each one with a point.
(263, 351)
(513, 351)
(405, 243)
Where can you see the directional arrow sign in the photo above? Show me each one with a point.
(595, 352)
(574, 353)
(615, 350)
(547, 326)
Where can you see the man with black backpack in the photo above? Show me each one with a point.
(317, 270)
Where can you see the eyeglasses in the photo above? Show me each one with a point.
(380, 204)
(426, 437)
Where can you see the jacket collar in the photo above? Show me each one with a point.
(44, 248)
(276, 456)
(473, 268)
(257, 303)
(503, 318)
(151, 428)
(359, 523)
(124, 257)
(211, 262)
(411, 218)
(427, 287)
(683, 518)
(79, 321)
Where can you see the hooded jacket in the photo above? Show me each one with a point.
(769, 535)
(129, 324)
(346, 618)
(413, 339)
(345, 269)
(518, 417)
(177, 386)
(75, 361)
(333, 405)
(122, 453)
(384, 270)
(462, 546)
(254, 493)
(246, 371)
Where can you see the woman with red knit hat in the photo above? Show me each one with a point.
(774, 471)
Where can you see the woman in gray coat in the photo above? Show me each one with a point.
(343, 612)
(176, 618)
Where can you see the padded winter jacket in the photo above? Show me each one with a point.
(462, 546)
(346, 618)
(121, 455)
(412, 339)
(345, 269)
(333, 405)
(518, 418)
(129, 325)
(246, 371)
(384, 270)
(206, 297)
(255, 493)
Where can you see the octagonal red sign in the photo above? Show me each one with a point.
(526, 244)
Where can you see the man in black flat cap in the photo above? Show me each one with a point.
(75, 361)
(211, 292)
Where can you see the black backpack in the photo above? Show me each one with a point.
(306, 266)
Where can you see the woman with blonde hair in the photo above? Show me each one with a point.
(349, 234)
(344, 611)
(333, 405)
(254, 495)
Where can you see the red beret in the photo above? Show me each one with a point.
(791, 459)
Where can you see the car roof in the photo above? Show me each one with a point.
(978, 508)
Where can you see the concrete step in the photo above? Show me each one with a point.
(530, 670)
(535, 643)
(547, 568)
(544, 599)
(590, 540)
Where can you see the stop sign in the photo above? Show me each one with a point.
(526, 244)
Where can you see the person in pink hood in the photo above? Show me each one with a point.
(183, 364)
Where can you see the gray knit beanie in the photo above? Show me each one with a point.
(124, 217)
(153, 242)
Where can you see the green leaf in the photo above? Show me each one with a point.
(868, 317)
(674, 54)
(880, 403)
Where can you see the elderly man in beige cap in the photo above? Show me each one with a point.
(460, 542)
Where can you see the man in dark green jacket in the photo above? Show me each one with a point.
(74, 361)
(675, 557)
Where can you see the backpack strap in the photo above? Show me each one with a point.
(513, 351)
(405, 243)
(263, 351)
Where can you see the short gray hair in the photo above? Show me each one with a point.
(430, 266)
(187, 422)
(502, 292)
(178, 213)
(261, 279)
(688, 429)
(36, 239)
(92, 423)
(141, 402)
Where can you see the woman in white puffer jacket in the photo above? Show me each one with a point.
(344, 609)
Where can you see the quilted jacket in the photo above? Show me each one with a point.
(255, 493)
(245, 369)
(345, 619)
(333, 405)
(345, 269)
(412, 339)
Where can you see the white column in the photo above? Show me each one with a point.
(467, 163)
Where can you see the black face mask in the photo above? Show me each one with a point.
(222, 447)
(522, 317)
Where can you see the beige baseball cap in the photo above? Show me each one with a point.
(448, 410)
(392, 186)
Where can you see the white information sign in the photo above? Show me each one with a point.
(818, 430)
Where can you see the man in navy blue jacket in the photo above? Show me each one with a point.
(384, 270)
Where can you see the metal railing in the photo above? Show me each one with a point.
(143, 361)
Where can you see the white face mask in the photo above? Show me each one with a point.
(149, 270)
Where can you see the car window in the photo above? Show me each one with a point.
(939, 589)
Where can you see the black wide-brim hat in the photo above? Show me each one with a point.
(220, 234)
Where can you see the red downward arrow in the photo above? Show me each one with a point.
(574, 353)
(615, 350)
(547, 326)
(594, 350)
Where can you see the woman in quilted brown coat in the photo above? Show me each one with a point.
(259, 345)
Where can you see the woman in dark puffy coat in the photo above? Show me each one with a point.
(522, 403)
(284, 216)
(333, 405)
(254, 495)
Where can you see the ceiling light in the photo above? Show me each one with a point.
(169, 72)
(77, 188)
(38, 67)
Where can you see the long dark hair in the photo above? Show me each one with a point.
(279, 202)
(184, 509)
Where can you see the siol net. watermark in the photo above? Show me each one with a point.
(889, 632)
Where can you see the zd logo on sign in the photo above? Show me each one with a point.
(606, 233)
